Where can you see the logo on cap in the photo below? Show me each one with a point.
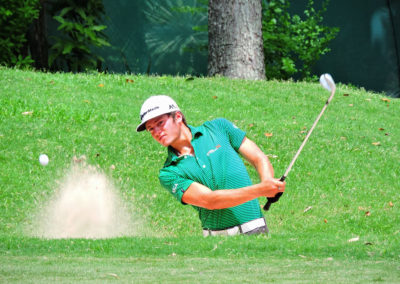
(149, 110)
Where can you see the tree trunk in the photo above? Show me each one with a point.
(37, 40)
(235, 43)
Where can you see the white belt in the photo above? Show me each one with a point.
(236, 230)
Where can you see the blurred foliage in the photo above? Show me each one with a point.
(292, 45)
(178, 29)
(15, 19)
(80, 32)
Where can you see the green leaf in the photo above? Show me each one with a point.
(59, 19)
(52, 57)
(81, 13)
(68, 48)
(103, 42)
(65, 11)
(98, 28)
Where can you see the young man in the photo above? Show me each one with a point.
(204, 169)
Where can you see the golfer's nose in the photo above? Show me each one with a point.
(157, 132)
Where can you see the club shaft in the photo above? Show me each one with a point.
(309, 133)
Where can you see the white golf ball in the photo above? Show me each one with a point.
(43, 159)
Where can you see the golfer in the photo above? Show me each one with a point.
(204, 169)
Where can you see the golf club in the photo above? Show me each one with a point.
(327, 82)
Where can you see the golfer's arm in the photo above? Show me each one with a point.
(201, 196)
(253, 154)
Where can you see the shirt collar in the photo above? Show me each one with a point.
(196, 131)
(172, 157)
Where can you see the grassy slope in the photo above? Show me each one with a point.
(351, 184)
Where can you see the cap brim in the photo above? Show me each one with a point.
(141, 127)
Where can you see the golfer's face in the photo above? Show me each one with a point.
(163, 129)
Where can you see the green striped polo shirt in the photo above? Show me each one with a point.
(215, 164)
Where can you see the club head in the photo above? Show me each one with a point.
(327, 82)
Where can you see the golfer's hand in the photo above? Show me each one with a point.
(272, 186)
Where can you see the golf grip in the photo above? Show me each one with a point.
(274, 199)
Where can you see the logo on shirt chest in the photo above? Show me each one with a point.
(213, 150)
(174, 188)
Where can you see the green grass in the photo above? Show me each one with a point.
(176, 269)
(351, 182)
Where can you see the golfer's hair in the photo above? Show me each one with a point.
(183, 117)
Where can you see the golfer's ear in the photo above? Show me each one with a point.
(178, 116)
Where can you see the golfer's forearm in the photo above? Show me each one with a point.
(264, 168)
(202, 196)
(220, 199)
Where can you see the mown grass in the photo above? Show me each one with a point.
(348, 174)
(199, 270)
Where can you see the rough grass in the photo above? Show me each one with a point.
(347, 177)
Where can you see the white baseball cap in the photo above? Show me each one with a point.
(155, 106)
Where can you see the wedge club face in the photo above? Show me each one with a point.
(327, 82)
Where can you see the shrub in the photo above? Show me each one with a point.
(293, 45)
(15, 19)
(80, 31)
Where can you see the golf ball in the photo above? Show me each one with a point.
(43, 159)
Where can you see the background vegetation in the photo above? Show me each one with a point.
(15, 18)
(293, 44)
(176, 29)
(80, 32)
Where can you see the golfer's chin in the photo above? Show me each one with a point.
(164, 141)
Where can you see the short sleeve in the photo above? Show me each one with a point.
(235, 134)
(174, 183)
